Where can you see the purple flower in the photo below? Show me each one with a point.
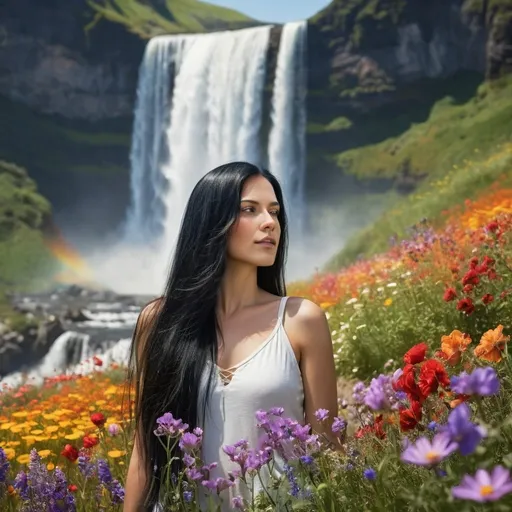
(380, 395)
(104, 474)
(428, 453)
(432, 426)
(370, 474)
(187, 496)
(21, 484)
(358, 392)
(218, 485)
(237, 502)
(482, 382)
(338, 425)
(114, 429)
(194, 474)
(321, 414)
(462, 431)
(4, 466)
(84, 465)
(117, 492)
(484, 486)
(307, 460)
(189, 442)
(168, 426)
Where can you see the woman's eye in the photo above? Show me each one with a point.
(274, 212)
(249, 209)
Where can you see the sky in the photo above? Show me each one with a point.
(279, 11)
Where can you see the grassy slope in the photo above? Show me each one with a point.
(174, 16)
(24, 259)
(428, 202)
(450, 134)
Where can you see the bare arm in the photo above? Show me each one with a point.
(309, 331)
(136, 477)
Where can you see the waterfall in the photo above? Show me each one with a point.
(287, 151)
(201, 103)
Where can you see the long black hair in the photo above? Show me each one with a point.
(182, 338)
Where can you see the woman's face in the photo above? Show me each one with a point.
(254, 238)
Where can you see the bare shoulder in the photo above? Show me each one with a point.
(306, 322)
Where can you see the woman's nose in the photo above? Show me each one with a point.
(268, 222)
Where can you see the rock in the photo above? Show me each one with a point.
(49, 63)
(75, 316)
(19, 350)
(3, 329)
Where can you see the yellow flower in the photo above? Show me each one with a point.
(37, 431)
(115, 454)
(9, 453)
(50, 466)
(50, 429)
(388, 302)
(73, 437)
(44, 453)
(23, 459)
(20, 414)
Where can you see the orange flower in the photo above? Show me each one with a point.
(492, 345)
(452, 347)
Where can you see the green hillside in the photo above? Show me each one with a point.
(451, 134)
(460, 149)
(148, 18)
(24, 213)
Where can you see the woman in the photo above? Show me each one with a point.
(224, 341)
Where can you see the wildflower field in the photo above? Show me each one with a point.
(420, 332)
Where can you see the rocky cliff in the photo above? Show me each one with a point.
(68, 76)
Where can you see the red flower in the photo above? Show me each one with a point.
(471, 277)
(432, 374)
(492, 274)
(487, 298)
(90, 442)
(473, 262)
(468, 288)
(407, 383)
(97, 361)
(466, 305)
(98, 419)
(493, 226)
(70, 452)
(72, 488)
(416, 354)
(488, 261)
(410, 417)
(449, 294)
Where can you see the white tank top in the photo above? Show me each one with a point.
(269, 377)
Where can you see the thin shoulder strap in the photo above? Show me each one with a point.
(282, 307)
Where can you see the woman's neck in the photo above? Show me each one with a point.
(239, 288)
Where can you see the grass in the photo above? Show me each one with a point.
(24, 257)
(149, 19)
(434, 146)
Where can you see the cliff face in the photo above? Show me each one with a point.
(50, 63)
(68, 78)
(364, 47)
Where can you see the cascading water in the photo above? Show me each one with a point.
(200, 103)
(211, 115)
(287, 151)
